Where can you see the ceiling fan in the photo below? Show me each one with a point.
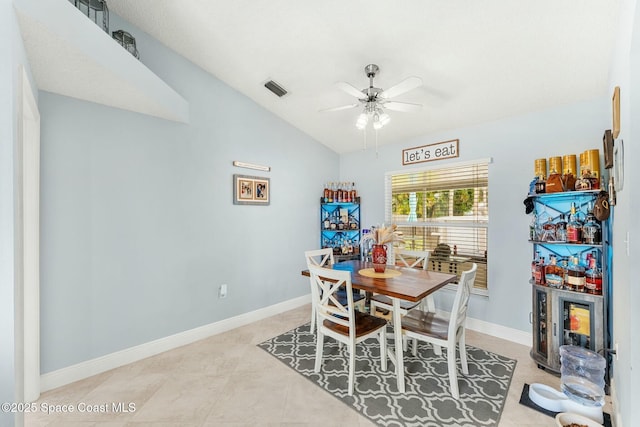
(376, 100)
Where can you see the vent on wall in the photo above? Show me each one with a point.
(275, 88)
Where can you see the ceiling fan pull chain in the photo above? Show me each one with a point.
(376, 131)
(364, 139)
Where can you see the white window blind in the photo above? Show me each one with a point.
(444, 210)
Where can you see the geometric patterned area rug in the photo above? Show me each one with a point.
(426, 401)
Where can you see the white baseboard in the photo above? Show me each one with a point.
(86, 369)
(498, 331)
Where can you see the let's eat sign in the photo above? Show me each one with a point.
(430, 152)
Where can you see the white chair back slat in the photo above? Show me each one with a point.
(328, 283)
(411, 258)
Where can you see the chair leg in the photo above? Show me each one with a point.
(453, 375)
(352, 367)
(383, 348)
(463, 354)
(437, 349)
(313, 318)
(431, 305)
(319, 345)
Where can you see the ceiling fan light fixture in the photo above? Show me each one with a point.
(362, 121)
(384, 119)
(376, 122)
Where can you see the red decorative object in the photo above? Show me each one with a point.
(379, 258)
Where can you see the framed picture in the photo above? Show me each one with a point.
(615, 107)
(251, 190)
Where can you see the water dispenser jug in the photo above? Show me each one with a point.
(582, 375)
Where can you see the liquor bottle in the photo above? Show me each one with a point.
(353, 192)
(569, 172)
(540, 272)
(334, 192)
(534, 264)
(591, 230)
(593, 278)
(548, 231)
(553, 273)
(564, 265)
(574, 227)
(326, 224)
(575, 276)
(533, 228)
(561, 229)
(325, 194)
(541, 185)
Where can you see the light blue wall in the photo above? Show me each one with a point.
(138, 225)
(513, 144)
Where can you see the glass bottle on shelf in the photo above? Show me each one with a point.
(326, 223)
(353, 192)
(533, 228)
(534, 264)
(591, 230)
(540, 272)
(574, 227)
(564, 265)
(593, 278)
(548, 231)
(561, 229)
(575, 276)
(553, 273)
(541, 185)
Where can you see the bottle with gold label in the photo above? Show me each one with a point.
(569, 172)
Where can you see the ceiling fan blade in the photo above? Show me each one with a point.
(351, 90)
(404, 86)
(342, 107)
(402, 106)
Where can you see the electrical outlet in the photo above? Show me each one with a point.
(222, 291)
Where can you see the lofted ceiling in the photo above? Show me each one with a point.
(479, 60)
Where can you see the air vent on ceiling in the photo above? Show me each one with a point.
(275, 88)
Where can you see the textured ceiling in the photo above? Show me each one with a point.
(479, 61)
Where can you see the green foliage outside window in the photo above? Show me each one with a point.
(434, 204)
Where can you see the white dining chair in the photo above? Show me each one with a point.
(445, 332)
(341, 321)
(324, 258)
(405, 258)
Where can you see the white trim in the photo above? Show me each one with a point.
(86, 369)
(487, 160)
(104, 363)
(514, 335)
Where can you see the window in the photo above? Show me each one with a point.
(444, 210)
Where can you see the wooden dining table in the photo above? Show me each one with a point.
(398, 283)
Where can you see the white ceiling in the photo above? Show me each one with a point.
(479, 60)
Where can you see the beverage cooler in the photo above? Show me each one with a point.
(571, 265)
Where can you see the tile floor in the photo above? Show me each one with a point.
(226, 380)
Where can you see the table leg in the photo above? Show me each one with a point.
(397, 331)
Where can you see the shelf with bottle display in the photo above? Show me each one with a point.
(567, 244)
(340, 227)
(561, 220)
(340, 216)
